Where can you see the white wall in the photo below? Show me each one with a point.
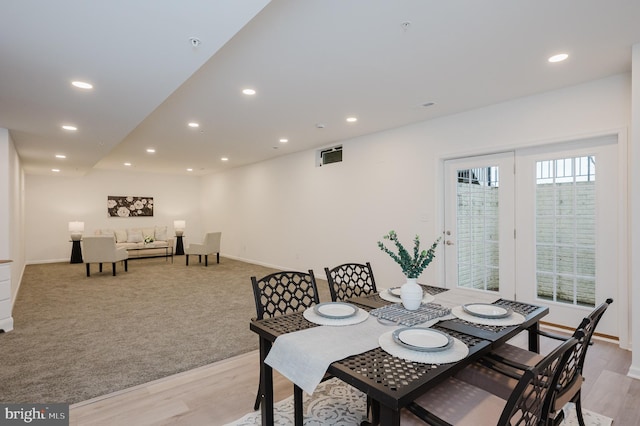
(5, 187)
(290, 214)
(634, 215)
(53, 201)
(11, 209)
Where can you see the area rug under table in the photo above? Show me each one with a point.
(336, 403)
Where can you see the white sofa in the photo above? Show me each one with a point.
(145, 242)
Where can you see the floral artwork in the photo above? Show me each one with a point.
(118, 206)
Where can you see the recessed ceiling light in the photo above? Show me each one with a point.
(249, 91)
(284, 140)
(61, 156)
(189, 170)
(82, 85)
(558, 58)
(127, 164)
(224, 159)
(352, 119)
(151, 150)
(55, 170)
(194, 124)
(69, 127)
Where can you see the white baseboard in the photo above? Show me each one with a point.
(6, 324)
(634, 372)
(38, 262)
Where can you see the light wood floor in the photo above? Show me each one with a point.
(224, 391)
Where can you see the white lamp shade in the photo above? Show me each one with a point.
(179, 226)
(76, 229)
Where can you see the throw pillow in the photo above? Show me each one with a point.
(161, 233)
(107, 232)
(134, 236)
(121, 236)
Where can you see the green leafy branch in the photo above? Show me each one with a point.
(412, 266)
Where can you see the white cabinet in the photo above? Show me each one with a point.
(6, 321)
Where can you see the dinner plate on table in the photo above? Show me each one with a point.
(486, 310)
(395, 291)
(422, 339)
(394, 294)
(335, 310)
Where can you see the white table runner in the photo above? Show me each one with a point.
(304, 356)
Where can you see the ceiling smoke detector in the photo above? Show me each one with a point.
(195, 42)
(405, 25)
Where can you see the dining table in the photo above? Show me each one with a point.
(365, 357)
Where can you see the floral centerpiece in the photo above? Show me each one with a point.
(412, 265)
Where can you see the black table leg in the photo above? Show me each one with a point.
(266, 381)
(389, 417)
(534, 337)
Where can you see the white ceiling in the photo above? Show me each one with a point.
(311, 61)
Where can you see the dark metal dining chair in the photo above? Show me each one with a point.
(283, 293)
(489, 372)
(350, 280)
(456, 402)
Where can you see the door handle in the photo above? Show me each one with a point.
(449, 243)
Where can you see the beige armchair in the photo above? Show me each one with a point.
(210, 245)
(102, 249)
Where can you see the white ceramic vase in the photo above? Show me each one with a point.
(411, 294)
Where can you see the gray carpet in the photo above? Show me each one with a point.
(76, 338)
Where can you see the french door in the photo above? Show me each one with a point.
(537, 225)
(567, 222)
(479, 224)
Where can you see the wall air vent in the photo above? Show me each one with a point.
(329, 155)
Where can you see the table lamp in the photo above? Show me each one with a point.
(76, 229)
(179, 226)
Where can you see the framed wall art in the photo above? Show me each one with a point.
(129, 206)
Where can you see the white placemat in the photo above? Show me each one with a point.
(457, 352)
(386, 295)
(312, 316)
(513, 319)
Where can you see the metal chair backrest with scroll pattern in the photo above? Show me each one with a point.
(533, 396)
(456, 402)
(283, 293)
(350, 280)
(570, 378)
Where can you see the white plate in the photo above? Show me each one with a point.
(395, 291)
(335, 310)
(422, 339)
(485, 310)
